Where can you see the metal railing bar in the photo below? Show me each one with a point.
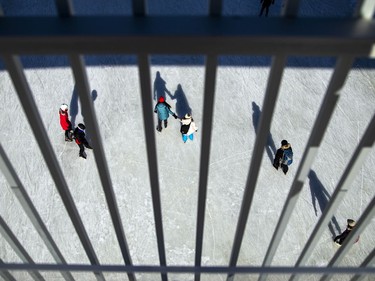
(349, 173)
(148, 119)
(215, 7)
(290, 8)
(18, 248)
(191, 35)
(272, 91)
(367, 262)
(28, 206)
(139, 8)
(365, 9)
(30, 210)
(362, 223)
(340, 73)
(64, 8)
(89, 116)
(188, 269)
(208, 106)
(354, 165)
(15, 70)
(5, 274)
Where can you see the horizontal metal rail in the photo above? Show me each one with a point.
(190, 34)
(187, 269)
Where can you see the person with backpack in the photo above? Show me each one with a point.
(284, 156)
(163, 109)
(339, 239)
(188, 128)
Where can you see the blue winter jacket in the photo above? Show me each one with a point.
(288, 156)
(163, 110)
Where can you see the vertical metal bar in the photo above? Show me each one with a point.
(326, 110)
(366, 263)
(88, 110)
(139, 7)
(290, 8)
(346, 179)
(215, 7)
(364, 220)
(365, 9)
(148, 120)
(5, 274)
(18, 248)
(14, 67)
(30, 210)
(272, 91)
(209, 97)
(355, 163)
(64, 8)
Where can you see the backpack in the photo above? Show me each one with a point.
(288, 156)
(184, 129)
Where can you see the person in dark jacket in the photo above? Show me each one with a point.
(80, 137)
(339, 239)
(265, 6)
(284, 156)
(65, 123)
(163, 109)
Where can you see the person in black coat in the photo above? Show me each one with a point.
(80, 138)
(265, 6)
(339, 239)
(284, 156)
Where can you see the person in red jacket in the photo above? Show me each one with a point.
(65, 122)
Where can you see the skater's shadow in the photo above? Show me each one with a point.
(94, 95)
(182, 105)
(74, 106)
(320, 194)
(160, 87)
(270, 145)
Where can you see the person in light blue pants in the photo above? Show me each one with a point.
(188, 128)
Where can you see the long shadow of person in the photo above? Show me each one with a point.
(74, 106)
(320, 194)
(160, 87)
(94, 95)
(270, 145)
(182, 105)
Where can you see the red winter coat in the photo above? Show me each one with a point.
(64, 120)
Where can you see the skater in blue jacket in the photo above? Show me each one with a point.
(163, 109)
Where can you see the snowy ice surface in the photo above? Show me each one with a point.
(238, 104)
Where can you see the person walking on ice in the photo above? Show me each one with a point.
(283, 157)
(339, 239)
(163, 109)
(65, 123)
(266, 6)
(81, 141)
(188, 128)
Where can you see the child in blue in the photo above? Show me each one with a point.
(188, 128)
(163, 110)
(284, 156)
